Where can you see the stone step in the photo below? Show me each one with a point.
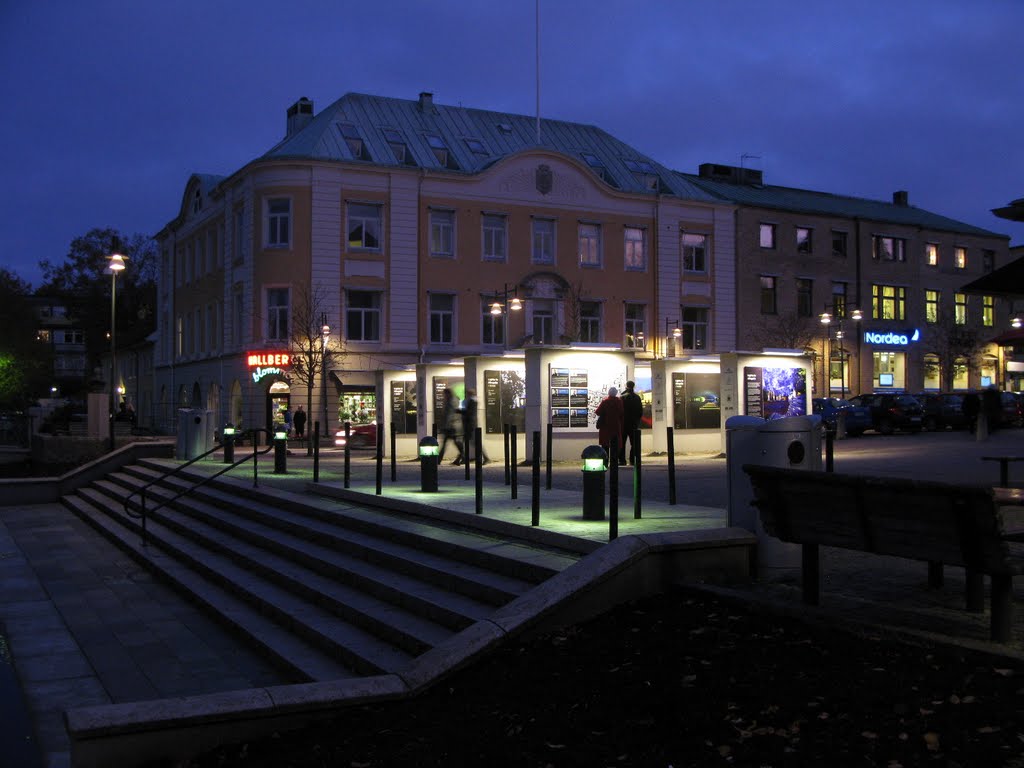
(358, 649)
(298, 658)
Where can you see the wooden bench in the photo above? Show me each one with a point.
(939, 523)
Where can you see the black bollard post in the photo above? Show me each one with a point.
(428, 455)
(504, 437)
(535, 500)
(380, 461)
(280, 453)
(514, 460)
(316, 451)
(229, 444)
(547, 454)
(394, 460)
(466, 442)
(348, 461)
(613, 490)
(829, 450)
(637, 477)
(433, 430)
(671, 466)
(478, 438)
(255, 463)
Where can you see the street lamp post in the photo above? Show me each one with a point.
(828, 319)
(672, 330)
(325, 332)
(116, 265)
(502, 307)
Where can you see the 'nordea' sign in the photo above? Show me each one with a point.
(892, 338)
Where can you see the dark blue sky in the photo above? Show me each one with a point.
(109, 105)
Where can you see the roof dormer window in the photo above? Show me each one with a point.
(599, 168)
(645, 173)
(442, 154)
(354, 140)
(396, 141)
(197, 202)
(477, 147)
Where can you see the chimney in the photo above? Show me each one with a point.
(426, 101)
(900, 198)
(300, 114)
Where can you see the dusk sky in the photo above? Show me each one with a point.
(110, 105)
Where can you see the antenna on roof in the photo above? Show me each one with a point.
(538, 70)
(747, 156)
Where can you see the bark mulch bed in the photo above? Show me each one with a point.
(684, 679)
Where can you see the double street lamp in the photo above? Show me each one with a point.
(325, 332)
(502, 307)
(828, 320)
(116, 265)
(672, 331)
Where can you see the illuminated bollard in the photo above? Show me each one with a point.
(594, 471)
(280, 452)
(229, 444)
(429, 458)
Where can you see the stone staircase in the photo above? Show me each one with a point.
(327, 590)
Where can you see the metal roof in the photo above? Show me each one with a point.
(474, 139)
(824, 203)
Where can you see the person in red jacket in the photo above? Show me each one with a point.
(609, 422)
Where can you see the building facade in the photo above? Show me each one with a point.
(411, 232)
(900, 269)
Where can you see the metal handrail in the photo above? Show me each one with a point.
(139, 512)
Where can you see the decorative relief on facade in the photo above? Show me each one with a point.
(525, 182)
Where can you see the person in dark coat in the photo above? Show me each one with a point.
(470, 408)
(992, 405)
(299, 420)
(632, 413)
(609, 417)
(971, 406)
(449, 424)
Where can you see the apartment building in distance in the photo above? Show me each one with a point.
(405, 222)
(801, 254)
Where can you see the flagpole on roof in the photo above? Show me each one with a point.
(538, 70)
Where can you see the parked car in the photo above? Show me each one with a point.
(890, 411)
(942, 410)
(858, 417)
(1013, 409)
(360, 436)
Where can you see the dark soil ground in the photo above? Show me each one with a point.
(684, 679)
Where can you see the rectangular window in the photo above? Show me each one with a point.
(695, 252)
(442, 229)
(238, 232)
(279, 213)
(988, 260)
(237, 315)
(988, 311)
(960, 308)
(495, 240)
(695, 328)
(960, 258)
(197, 330)
(543, 241)
(804, 297)
(202, 265)
(277, 314)
(396, 142)
(590, 245)
(768, 236)
(888, 302)
(635, 254)
(768, 302)
(179, 336)
(840, 242)
(931, 254)
(492, 327)
(442, 318)
(804, 243)
(889, 248)
(354, 140)
(839, 300)
(543, 325)
(364, 226)
(362, 315)
(590, 321)
(635, 327)
(931, 306)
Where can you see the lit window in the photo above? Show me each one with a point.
(695, 249)
(888, 302)
(364, 226)
(279, 211)
(590, 245)
(889, 248)
(495, 241)
(442, 227)
(767, 235)
(839, 300)
(803, 240)
(931, 254)
(635, 326)
(960, 258)
(543, 241)
(931, 306)
(988, 311)
(635, 253)
(960, 308)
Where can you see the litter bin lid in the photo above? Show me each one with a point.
(792, 424)
(741, 422)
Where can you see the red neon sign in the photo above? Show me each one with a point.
(268, 359)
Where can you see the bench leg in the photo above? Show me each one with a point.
(935, 575)
(975, 591)
(1002, 607)
(811, 573)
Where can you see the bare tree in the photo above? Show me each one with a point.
(313, 353)
(573, 306)
(787, 331)
(958, 348)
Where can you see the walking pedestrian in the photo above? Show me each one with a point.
(609, 422)
(632, 413)
(299, 420)
(971, 406)
(469, 421)
(450, 419)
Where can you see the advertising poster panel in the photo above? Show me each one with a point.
(575, 394)
(403, 406)
(696, 400)
(773, 393)
(504, 398)
(440, 384)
